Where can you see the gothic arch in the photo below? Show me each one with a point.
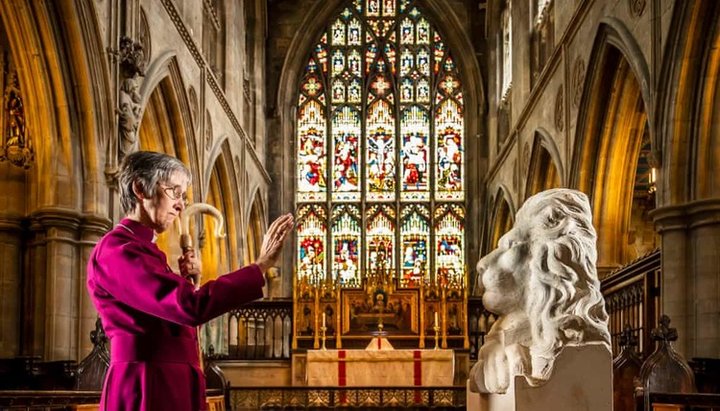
(222, 193)
(545, 168)
(611, 123)
(58, 69)
(219, 254)
(316, 19)
(216, 152)
(501, 218)
(93, 93)
(255, 228)
(166, 124)
(228, 183)
(443, 18)
(166, 127)
(688, 105)
(707, 168)
(64, 82)
(688, 189)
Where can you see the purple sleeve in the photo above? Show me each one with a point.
(134, 276)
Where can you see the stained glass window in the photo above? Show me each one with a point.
(346, 237)
(312, 237)
(415, 237)
(449, 244)
(381, 162)
(380, 229)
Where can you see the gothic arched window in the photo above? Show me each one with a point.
(506, 47)
(542, 38)
(380, 181)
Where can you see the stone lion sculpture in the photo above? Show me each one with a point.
(542, 282)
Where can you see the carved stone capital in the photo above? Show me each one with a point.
(95, 225)
(689, 215)
(63, 218)
(669, 218)
(11, 223)
(704, 212)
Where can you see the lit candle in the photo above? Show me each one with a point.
(436, 319)
(323, 320)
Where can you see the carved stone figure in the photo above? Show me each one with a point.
(542, 282)
(129, 115)
(17, 147)
(132, 64)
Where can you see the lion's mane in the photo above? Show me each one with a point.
(564, 305)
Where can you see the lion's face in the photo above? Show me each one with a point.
(504, 273)
(542, 277)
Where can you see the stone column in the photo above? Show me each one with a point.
(704, 254)
(11, 233)
(91, 230)
(690, 239)
(671, 225)
(52, 289)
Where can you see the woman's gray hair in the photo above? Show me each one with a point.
(146, 169)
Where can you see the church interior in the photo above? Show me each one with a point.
(403, 135)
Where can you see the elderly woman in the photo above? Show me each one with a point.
(150, 312)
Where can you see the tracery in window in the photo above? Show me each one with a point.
(380, 165)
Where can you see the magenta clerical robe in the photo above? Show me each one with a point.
(150, 314)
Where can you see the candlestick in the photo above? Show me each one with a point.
(437, 335)
(323, 329)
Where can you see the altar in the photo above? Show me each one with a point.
(334, 316)
(380, 368)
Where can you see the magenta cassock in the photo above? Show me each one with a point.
(150, 315)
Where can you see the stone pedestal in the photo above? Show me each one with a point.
(581, 381)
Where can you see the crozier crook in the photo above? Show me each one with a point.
(185, 237)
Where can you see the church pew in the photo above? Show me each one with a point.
(663, 401)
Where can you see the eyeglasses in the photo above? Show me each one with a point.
(175, 194)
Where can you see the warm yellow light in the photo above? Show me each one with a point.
(652, 187)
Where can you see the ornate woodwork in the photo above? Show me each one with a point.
(404, 311)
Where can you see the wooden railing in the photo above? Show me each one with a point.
(632, 297)
(57, 400)
(256, 398)
(31, 373)
(661, 401)
(46, 400)
(261, 331)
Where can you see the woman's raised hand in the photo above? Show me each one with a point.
(274, 240)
